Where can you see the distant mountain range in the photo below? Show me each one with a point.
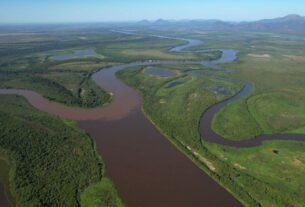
(292, 24)
(287, 24)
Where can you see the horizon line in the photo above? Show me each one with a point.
(134, 21)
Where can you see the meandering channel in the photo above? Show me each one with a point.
(145, 167)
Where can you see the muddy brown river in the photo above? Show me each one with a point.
(145, 167)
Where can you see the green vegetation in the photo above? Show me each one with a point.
(271, 173)
(266, 113)
(136, 48)
(74, 88)
(26, 61)
(276, 67)
(236, 114)
(84, 92)
(185, 102)
(80, 66)
(247, 172)
(101, 194)
(51, 161)
(33, 143)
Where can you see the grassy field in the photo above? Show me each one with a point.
(235, 122)
(271, 173)
(51, 161)
(276, 67)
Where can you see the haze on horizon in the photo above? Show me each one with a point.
(57, 11)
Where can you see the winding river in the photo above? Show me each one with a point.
(147, 169)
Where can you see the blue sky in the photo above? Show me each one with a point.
(21, 11)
